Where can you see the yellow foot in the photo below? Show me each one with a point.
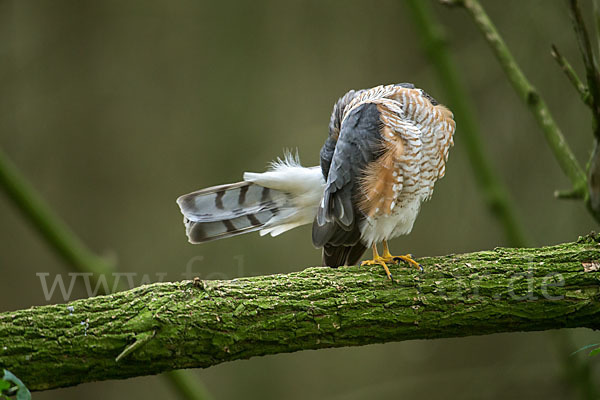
(378, 260)
(407, 258)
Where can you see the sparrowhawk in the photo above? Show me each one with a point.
(386, 148)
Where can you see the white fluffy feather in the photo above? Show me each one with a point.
(304, 185)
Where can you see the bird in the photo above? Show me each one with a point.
(386, 148)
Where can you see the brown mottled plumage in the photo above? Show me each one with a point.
(383, 183)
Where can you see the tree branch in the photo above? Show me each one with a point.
(199, 324)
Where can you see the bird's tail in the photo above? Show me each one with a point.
(273, 202)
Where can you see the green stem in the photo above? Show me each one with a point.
(528, 94)
(495, 194)
(566, 67)
(593, 82)
(188, 386)
(55, 232)
(71, 249)
(577, 370)
(589, 61)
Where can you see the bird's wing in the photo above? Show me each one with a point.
(335, 123)
(392, 143)
(358, 144)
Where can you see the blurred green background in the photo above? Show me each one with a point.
(113, 109)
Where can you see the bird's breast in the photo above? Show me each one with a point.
(379, 227)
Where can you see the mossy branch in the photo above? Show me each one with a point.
(197, 324)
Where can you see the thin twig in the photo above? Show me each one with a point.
(494, 192)
(593, 81)
(72, 250)
(596, 6)
(583, 91)
(576, 370)
(589, 61)
(567, 195)
(530, 96)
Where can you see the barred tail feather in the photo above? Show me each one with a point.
(200, 232)
(272, 202)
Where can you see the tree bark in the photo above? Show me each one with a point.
(167, 326)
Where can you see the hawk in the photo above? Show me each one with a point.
(387, 146)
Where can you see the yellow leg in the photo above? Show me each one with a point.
(386, 251)
(407, 258)
(378, 260)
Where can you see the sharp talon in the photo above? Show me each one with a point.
(408, 260)
(387, 270)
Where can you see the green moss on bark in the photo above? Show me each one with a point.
(183, 325)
